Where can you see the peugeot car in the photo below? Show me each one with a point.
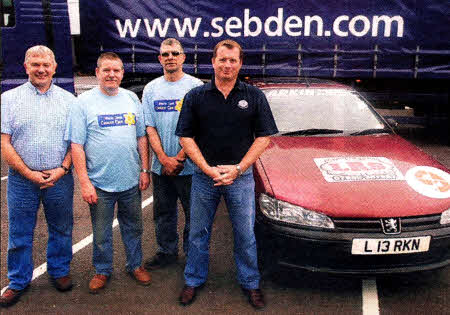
(338, 191)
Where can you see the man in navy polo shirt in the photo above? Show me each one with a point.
(224, 126)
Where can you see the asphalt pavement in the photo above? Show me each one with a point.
(286, 292)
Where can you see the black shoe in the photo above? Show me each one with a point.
(11, 297)
(160, 260)
(187, 295)
(62, 284)
(255, 298)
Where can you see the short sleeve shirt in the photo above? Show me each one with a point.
(224, 129)
(162, 101)
(36, 122)
(108, 128)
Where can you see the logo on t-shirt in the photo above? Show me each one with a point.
(243, 104)
(166, 105)
(114, 120)
(179, 105)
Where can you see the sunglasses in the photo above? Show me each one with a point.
(173, 53)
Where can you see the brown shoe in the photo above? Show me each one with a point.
(62, 284)
(255, 298)
(98, 283)
(187, 295)
(142, 276)
(11, 297)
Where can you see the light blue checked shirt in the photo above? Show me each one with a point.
(36, 122)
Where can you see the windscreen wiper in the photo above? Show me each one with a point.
(371, 131)
(312, 131)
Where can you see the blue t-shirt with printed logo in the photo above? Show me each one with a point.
(108, 128)
(162, 101)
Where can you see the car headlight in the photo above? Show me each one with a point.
(445, 217)
(286, 212)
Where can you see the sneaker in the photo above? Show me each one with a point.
(97, 283)
(11, 297)
(142, 276)
(160, 260)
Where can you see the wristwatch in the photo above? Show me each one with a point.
(143, 170)
(66, 170)
(238, 167)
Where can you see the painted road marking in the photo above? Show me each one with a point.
(370, 305)
(4, 177)
(39, 271)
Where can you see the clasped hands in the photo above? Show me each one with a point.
(47, 178)
(223, 175)
(172, 165)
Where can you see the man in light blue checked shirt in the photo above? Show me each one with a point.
(32, 141)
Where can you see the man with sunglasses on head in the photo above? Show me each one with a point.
(171, 171)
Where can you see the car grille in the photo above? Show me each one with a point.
(365, 225)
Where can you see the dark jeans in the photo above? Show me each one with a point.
(166, 191)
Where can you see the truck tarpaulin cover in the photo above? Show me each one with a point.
(346, 38)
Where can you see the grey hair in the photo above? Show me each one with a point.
(170, 42)
(39, 50)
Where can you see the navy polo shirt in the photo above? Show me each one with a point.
(224, 129)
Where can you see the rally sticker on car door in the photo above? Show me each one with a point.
(429, 181)
(353, 169)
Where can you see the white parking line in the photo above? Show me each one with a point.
(4, 177)
(370, 305)
(39, 271)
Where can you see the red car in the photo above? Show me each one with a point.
(338, 191)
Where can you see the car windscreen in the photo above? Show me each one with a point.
(316, 108)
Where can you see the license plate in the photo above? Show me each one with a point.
(374, 246)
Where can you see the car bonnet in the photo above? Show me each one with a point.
(361, 176)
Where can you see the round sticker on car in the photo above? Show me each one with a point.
(429, 181)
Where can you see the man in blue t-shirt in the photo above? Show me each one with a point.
(110, 155)
(171, 171)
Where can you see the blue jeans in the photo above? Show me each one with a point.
(240, 200)
(166, 191)
(129, 215)
(24, 198)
